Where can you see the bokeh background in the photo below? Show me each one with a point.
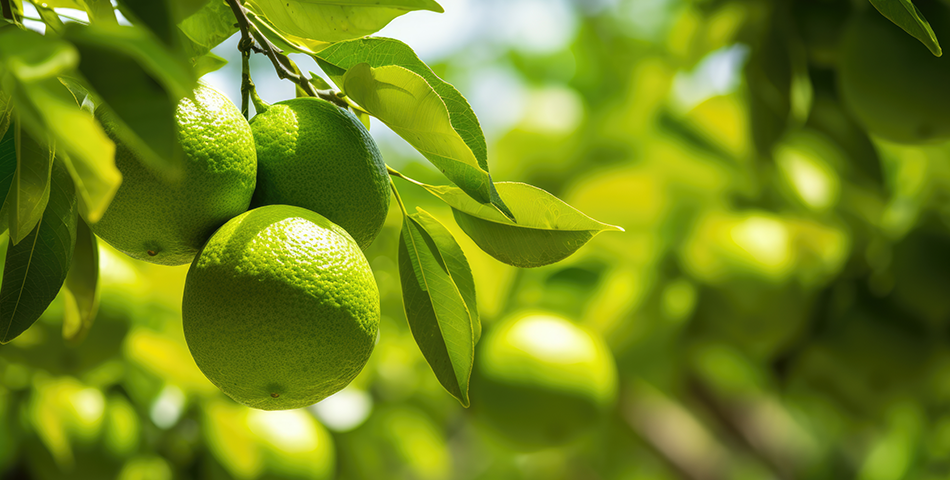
(777, 306)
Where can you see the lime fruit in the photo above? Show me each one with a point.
(541, 381)
(891, 83)
(280, 308)
(166, 223)
(314, 155)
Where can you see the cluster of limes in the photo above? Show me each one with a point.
(280, 307)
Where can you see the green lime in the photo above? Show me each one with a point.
(541, 381)
(280, 308)
(314, 155)
(891, 83)
(166, 223)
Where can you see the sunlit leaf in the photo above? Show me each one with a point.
(141, 83)
(283, 40)
(34, 69)
(209, 26)
(337, 59)
(905, 15)
(31, 184)
(50, 18)
(547, 231)
(410, 107)
(81, 287)
(208, 63)
(36, 267)
(335, 20)
(436, 307)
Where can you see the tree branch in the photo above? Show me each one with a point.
(282, 64)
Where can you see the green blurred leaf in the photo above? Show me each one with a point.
(337, 59)
(50, 18)
(36, 267)
(335, 20)
(81, 286)
(905, 15)
(154, 14)
(141, 83)
(437, 289)
(31, 184)
(547, 231)
(34, 69)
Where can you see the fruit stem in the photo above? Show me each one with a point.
(259, 105)
(402, 206)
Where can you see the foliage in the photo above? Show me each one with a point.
(776, 304)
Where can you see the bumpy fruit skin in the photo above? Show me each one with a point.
(892, 84)
(314, 155)
(541, 381)
(164, 222)
(280, 308)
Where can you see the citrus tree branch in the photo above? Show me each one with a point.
(282, 64)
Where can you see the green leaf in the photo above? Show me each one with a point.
(31, 67)
(335, 20)
(440, 321)
(29, 194)
(208, 63)
(405, 102)
(905, 15)
(154, 14)
(7, 173)
(141, 83)
(50, 18)
(286, 42)
(81, 287)
(209, 26)
(338, 58)
(36, 267)
(548, 229)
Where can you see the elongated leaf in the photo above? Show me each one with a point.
(36, 267)
(32, 66)
(548, 230)
(156, 15)
(337, 59)
(50, 18)
(141, 83)
(31, 184)
(81, 286)
(209, 26)
(440, 321)
(407, 104)
(335, 20)
(905, 15)
(7, 173)
(286, 42)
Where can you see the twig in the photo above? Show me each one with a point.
(282, 64)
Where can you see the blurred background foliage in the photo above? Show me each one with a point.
(777, 307)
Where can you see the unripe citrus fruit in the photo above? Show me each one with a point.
(892, 84)
(161, 222)
(540, 380)
(280, 308)
(315, 155)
